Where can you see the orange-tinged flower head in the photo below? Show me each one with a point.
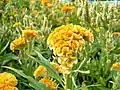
(45, 2)
(116, 66)
(67, 8)
(7, 79)
(41, 71)
(29, 35)
(50, 5)
(89, 36)
(17, 44)
(50, 84)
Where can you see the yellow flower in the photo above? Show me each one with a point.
(65, 41)
(17, 44)
(45, 2)
(7, 80)
(17, 24)
(50, 5)
(89, 36)
(97, 29)
(116, 66)
(35, 12)
(11, 18)
(41, 71)
(55, 65)
(67, 8)
(9, 88)
(29, 35)
(50, 84)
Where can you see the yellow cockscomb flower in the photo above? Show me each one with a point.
(65, 41)
(45, 2)
(29, 35)
(116, 66)
(41, 71)
(50, 84)
(17, 44)
(67, 8)
(7, 81)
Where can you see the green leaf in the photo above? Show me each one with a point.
(3, 49)
(9, 56)
(36, 85)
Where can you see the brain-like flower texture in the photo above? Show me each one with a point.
(17, 44)
(8, 81)
(65, 41)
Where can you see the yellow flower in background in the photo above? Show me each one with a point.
(11, 18)
(97, 29)
(35, 12)
(50, 84)
(8, 81)
(89, 36)
(50, 5)
(116, 66)
(67, 8)
(17, 24)
(45, 2)
(29, 35)
(41, 71)
(17, 44)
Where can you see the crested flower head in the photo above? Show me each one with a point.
(17, 44)
(50, 84)
(116, 66)
(41, 71)
(65, 41)
(29, 35)
(7, 81)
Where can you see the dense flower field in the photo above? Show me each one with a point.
(53, 45)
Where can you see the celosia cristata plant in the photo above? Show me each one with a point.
(8, 81)
(65, 41)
